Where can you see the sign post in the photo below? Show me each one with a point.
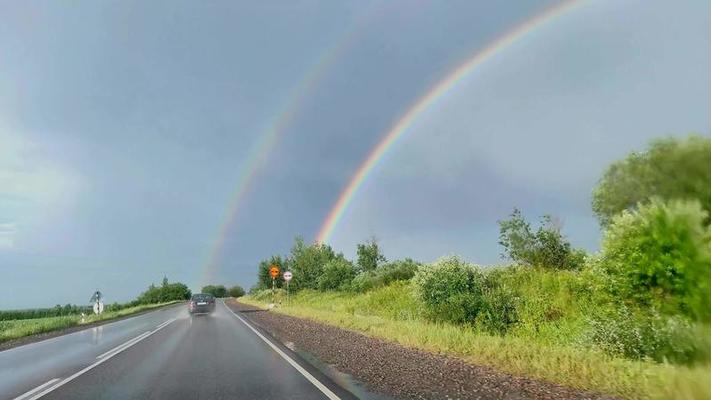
(287, 278)
(98, 305)
(274, 273)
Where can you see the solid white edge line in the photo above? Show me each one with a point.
(35, 390)
(96, 364)
(288, 359)
(127, 343)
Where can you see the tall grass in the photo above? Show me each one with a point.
(543, 345)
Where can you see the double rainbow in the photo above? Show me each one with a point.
(425, 102)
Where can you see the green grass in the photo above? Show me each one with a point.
(16, 329)
(543, 346)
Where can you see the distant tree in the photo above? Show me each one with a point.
(165, 281)
(236, 291)
(369, 255)
(164, 293)
(307, 263)
(546, 247)
(215, 290)
(669, 169)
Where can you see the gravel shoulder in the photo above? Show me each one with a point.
(401, 372)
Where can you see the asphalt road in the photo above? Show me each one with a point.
(165, 354)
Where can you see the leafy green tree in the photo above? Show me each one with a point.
(669, 169)
(236, 291)
(264, 280)
(164, 293)
(369, 255)
(546, 247)
(215, 290)
(659, 256)
(337, 274)
(307, 263)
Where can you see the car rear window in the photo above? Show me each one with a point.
(202, 297)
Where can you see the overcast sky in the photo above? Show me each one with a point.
(124, 125)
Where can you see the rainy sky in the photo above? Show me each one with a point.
(125, 126)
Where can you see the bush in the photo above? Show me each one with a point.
(337, 274)
(659, 256)
(400, 270)
(641, 335)
(451, 290)
(499, 309)
(236, 291)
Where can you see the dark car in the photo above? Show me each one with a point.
(201, 303)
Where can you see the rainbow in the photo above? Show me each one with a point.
(259, 151)
(425, 102)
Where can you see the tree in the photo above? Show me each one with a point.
(337, 274)
(264, 280)
(669, 169)
(215, 290)
(307, 263)
(164, 293)
(547, 247)
(369, 255)
(236, 291)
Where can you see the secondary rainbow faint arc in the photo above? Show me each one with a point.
(262, 147)
(425, 102)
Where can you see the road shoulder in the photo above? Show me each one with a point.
(397, 371)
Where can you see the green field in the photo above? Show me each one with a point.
(547, 351)
(16, 329)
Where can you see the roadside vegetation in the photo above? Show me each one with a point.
(632, 320)
(15, 324)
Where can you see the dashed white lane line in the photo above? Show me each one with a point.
(54, 384)
(288, 359)
(37, 389)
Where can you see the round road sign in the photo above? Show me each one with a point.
(274, 271)
(287, 276)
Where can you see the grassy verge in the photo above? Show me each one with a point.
(392, 314)
(16, 329)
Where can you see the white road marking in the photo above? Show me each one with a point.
(288, 359)
(35, 390)
(126, 344)
(99, 362)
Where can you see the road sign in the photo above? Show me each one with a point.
(98, 307)
(274, 271)
(287, 276)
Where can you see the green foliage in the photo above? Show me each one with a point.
(307, 263)
(369, 255)
(337, 274)
(56, 311)
(637, 334)
(669, 169)
(236, 291)
(546, 247)
(659, 256)
(167, 292)
(400, 270)
(264, 280)
(451, 290)
(215, 290)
